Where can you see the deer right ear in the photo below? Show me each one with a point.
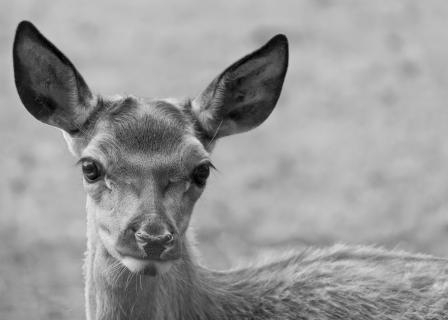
(48, 84)
(244, 94)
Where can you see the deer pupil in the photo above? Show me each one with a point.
(200, 174)
(90, 170)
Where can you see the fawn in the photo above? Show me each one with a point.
(145, 163)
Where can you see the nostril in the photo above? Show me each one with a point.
(142, 236)
(168, 238)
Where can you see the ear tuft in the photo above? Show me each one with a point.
(48, 84)
(244, 94)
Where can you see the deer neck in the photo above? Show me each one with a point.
(186, 291)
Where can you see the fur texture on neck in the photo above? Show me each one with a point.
(338, 282)
(185, 292)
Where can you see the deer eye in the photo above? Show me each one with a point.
(200, 174)
(92, 170)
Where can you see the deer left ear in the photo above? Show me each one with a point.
(48, 84)
(244, 95)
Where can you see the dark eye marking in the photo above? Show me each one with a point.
(201, 172)
(91, 169)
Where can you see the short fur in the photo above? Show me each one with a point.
(149, 150)
(339, 282)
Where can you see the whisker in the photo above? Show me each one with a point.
(215, 134)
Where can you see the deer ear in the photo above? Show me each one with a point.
(245, 94)
(48, 84)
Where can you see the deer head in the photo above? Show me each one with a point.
(145, 162)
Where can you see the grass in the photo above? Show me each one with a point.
(355, 152)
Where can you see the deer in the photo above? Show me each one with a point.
(145, 162)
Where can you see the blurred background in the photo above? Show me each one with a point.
(356, 150)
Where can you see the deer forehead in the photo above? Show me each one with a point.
(137, 135)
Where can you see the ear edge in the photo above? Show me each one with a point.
(279, 41)
(200, 109)
(26, 29)
(42, 107)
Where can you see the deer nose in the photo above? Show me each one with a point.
(153, 244)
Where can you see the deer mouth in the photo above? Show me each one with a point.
(137, 261)
(149, 265)
(146, 266)
(141, 263)
(158, 255)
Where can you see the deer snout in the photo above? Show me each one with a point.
(154, 245)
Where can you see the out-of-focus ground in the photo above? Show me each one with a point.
(356, 150)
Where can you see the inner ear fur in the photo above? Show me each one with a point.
(244, 94)
(49, 86)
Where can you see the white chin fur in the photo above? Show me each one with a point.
(139, 266)
(134, 265)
